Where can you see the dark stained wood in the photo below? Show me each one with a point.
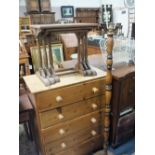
(123, 71)
(123, 99)
(26, 114)
(24, 103)
(87, 15)
(80, 29)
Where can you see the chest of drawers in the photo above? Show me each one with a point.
(68, 115)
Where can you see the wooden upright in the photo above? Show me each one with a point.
(108, 88)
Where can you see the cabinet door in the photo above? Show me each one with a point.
(131, 92)
(127, 93)
(124, 102)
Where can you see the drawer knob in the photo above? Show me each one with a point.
(94, 106)
(63, 145)
(93, 120)
(60, 116)
(61, 131)
(95, 90)
(58, 99)
(93, 132)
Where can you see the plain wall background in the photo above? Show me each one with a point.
(118, 8)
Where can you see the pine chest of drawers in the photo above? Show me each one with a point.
(69, 114)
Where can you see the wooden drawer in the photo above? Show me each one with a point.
(59, 97)
(70, 127)
(85, 148)
(70, 141)
(71, 111)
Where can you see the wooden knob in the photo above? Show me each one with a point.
(63, 145)
(59, 99)
(94, 90)
(61, 131)
(93, 132)
(60, 116)
(94, 106)
(93, 120)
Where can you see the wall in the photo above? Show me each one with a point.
(118, 8)
(56, 5)
(120, 13)
(115, 3)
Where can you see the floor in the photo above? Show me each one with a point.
(27, 147)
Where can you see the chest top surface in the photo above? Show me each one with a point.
(35, 85)
(122, 71)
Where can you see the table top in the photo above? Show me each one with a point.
(122, 71)
(35, 85)
(65, 28)
(66, 25)
(24, 103)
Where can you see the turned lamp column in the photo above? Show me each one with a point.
(108, 88)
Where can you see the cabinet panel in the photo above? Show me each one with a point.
(131, 94)
(123, 103)
(124, 91)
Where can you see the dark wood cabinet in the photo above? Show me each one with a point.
(40, 11)
(123, 105)
(32, 6)
(87, 15)
(36, 6)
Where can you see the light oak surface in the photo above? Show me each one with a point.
(35, 85)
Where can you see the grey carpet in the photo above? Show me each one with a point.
(26, 147)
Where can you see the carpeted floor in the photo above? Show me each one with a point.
(27, 147)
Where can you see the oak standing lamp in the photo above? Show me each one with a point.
(108, 87)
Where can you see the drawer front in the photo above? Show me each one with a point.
(70, 127)
(85, 148)
(71, 111)
(70, 141)
(59, 97)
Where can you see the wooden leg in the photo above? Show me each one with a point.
(26, 129)
(30, 130)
